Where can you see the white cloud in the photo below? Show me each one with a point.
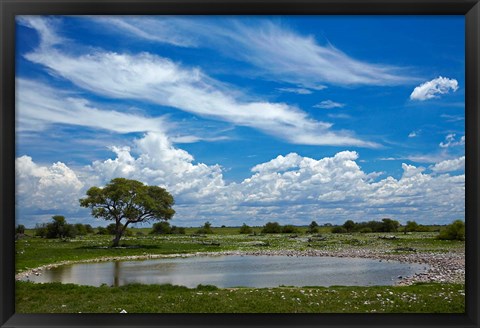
(449, 165)
(46, 187)
(453, 118)
(340, 116)
(192, 139)
(148, 28)
(300, 91)
(160, 81)
(328, 104)
(39, 105)
(160, 163)
(434, 88)
(289, 188)
(414, 134)
(273, 49)
(450, 141)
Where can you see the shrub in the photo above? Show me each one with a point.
(177, 230)
(20, 229)
(313, 227)
(338, 230)
(81, 229)
(289, 229)
(111, 228)
(272, 227)
(206, 229)
(245, 229)
(454, 231)
(389, 225)
(41, 230)
(102, 231)
(89, 228)
(349, 225)
(366, 230)
(161, 228)
(59, 228)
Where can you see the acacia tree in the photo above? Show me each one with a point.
(128, 201)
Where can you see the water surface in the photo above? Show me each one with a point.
(235, 271)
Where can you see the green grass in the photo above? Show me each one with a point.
(32, 252)
(137, 298)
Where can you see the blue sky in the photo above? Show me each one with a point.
(244, 119)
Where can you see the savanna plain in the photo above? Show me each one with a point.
(440, 290)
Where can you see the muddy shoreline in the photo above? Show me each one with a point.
(446, 267)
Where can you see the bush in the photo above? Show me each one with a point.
(81, 229)
(112, 228)
(289, 229)
(313, 227)
(102, 231)
(206, 229)
(161, 228)
(89, 228)
(349, 225)
(177, 230)
(389, 225)
(57, 229)
(454, 231)
(245, 229)
(272, 227)
(366, 230)
(20, 229)
(339, 230)
(41, 230)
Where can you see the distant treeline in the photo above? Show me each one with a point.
(385, 225)
(59, 228)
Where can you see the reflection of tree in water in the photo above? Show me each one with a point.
(116, 273)
(62, 273)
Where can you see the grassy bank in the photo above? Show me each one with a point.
(69, 298)
(33, 252)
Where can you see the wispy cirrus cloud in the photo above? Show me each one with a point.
(300, 91)
(329, 104)
(277, 51)
(161, 81)
(40, 105)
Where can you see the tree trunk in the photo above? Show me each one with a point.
(119, 233)
(116, 240)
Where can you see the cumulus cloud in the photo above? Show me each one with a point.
(434, 88)
(289, 188)
(449, 165)
(161, 81)
(160, 163)
(46, 187)
(328, 104)
(451, 142)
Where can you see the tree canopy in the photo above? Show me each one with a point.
(128, 201)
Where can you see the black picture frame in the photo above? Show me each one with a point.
(10, 8)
